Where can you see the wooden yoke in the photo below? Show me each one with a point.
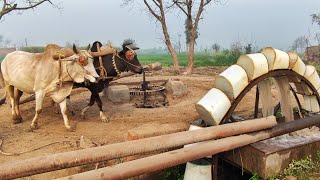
(63, 53)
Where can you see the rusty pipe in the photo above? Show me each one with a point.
(173, 158)
(58, 161)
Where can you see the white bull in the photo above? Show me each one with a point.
(39, 73)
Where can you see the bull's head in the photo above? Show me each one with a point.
(131, 58)
(81, 68)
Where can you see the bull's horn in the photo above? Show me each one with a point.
(75, 49)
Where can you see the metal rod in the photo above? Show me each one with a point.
(114, 83)
(58, 161)
(256, 105)
(297, 100)
(276, 109)
(180, 156)
(144, 89)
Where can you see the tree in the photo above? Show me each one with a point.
(1, 38)
(187, 33)
(158, 10)
(11, 5)
(216, 47)
(317, 37)
(300, 43)
(316, 18)
(193, 15)
(248, 48)
(236, 48)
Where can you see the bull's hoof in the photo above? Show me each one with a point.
(34, 126)
(83, 116)
(104, 119)
(17, 119)
(72, 112)
(71, 129)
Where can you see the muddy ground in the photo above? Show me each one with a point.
(123, 117)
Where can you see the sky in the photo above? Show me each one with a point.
(275, 23)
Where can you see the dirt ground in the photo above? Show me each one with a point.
(123, 117)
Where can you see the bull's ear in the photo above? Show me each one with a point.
(75, 50)
(88, 47)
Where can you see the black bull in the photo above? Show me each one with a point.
(113, 64)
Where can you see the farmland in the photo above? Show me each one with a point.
(202, 59)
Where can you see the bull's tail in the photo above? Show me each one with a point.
(2, 85)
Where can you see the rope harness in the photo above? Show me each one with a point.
(60, 69)
(82, 61)
(103, 71)
(114, 64)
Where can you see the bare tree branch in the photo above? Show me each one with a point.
(8, 7)
(152, 11)
(158, 9)
(31, 6)
(156, 3)
(178, 3)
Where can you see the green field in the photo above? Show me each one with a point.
(200, 59)
(1, 58)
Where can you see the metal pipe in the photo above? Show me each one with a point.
(256, 104)
(58, 161)
(173, 158)
(297, 100)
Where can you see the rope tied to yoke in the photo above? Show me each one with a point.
(103, 71)
(60, 56)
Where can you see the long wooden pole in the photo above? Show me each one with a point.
(53, 162)
(173, 158)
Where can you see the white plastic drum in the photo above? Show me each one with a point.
(213, 106)
(255, 65)
(311, 104)
(296, 64)
(312, 75)
(276, 59)
(232, 81)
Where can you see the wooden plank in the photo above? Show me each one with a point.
(282, 84)
(266, 97)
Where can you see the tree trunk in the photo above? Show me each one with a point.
(191, 53)
(169, 45)
(174, 57)
(162, 19)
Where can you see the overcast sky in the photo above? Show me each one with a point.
(263, 22)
